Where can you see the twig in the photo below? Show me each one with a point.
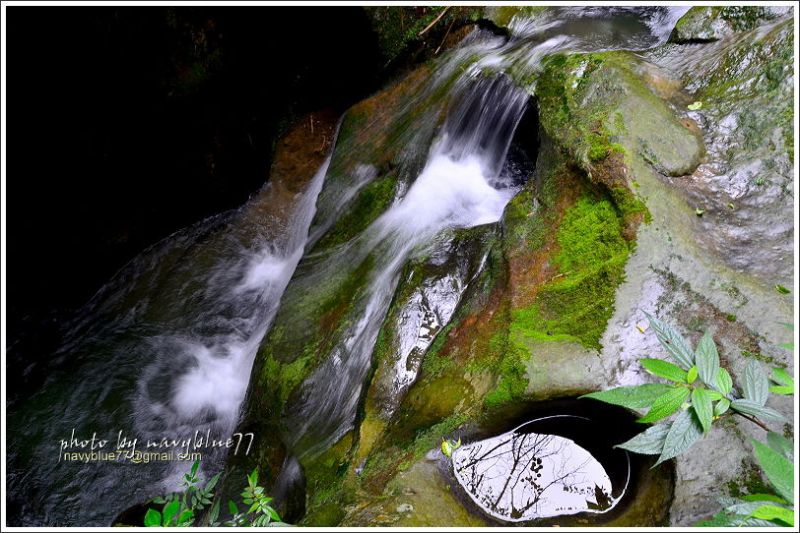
(445, 36)
(754, 420)
(432, 24)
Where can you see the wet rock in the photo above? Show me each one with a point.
(705, 24)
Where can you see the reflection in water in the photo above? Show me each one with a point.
(521, 475)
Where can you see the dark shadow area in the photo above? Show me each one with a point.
(129, 124)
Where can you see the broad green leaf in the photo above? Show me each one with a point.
(740, 507)
(675, 345)
(724, 382)
(695, 106)
(773, 512)
(638, 397)
(782, 390)
(648, 442)
(273, 514)
(664, 369)
(691, 375)
(232, 507)
(762, 498)
(684, 432)
(185, 516)
(756, 384)
(778, 469)
(170, 510)
(782, 377)
(665, 405)
(707, 359)
(780, 444)
(152, 518)
(722, 406)
(714, 395)
(751, 408)
(195, 466)
(701, 403)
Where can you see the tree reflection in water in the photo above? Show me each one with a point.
(519, 476)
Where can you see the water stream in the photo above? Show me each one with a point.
(167, 346)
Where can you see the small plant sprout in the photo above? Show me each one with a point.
(449, 446)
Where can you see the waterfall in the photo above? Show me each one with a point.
(166, 348)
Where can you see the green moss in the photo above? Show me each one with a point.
(749, 481)
(373, 200)
(578, 302)
(512, 379)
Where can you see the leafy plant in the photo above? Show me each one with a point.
(181, 508)
(776, 460)
(701, 392)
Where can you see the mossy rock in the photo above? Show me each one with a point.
(706, 24)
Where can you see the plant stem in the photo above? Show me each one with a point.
(754, 420)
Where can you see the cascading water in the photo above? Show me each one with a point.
(166, 348)
(460, 186)
(452, 191)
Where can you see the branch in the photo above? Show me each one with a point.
(432, 24)
(754, 420)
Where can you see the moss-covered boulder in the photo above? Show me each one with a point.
(707, 23)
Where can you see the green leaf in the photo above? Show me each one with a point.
(782, 390)
(695, 106)
(253, 477)
(666, 404)
(684, 432)
(195, 466)
(722, 406)
(762, 498)
(232, 507)
(152, 518)
(756, 384)
(782, 377)
(185, 516)
(675, 345)
(664, 369)
(714, 395)
(773, 512)
(780, 444)
(212, 483)
(751, 408)
(701, 403)
(170, 510)
(778, 469)
(691, 375)
(638, 397)
(707, 359)
(724, 382)
(273, 514)
(649, 442)
(447, 448)
(213, 514)
(781, 289)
